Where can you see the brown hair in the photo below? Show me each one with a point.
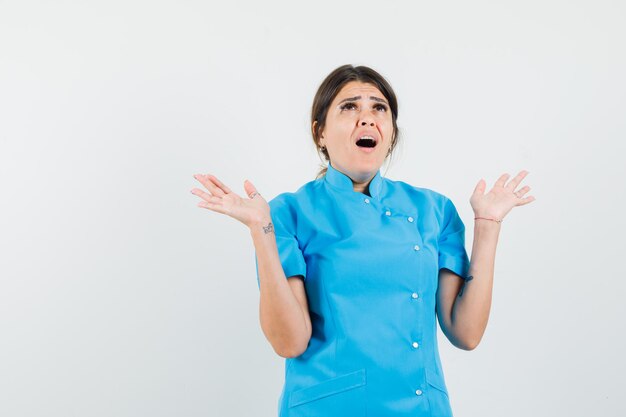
(329, 89)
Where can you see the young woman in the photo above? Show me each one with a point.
(354, 268)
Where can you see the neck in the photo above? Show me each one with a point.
(362, 187)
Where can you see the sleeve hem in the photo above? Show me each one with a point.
(294, 270)
(459, 267)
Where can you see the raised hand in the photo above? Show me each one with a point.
(221, 199)
(501, 199)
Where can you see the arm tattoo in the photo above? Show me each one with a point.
(269, 228)
(469, 278)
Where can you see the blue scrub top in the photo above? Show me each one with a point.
(370, 266)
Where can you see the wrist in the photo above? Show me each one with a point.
(487, 219)
(260, 221)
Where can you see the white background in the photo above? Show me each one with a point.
(120, 297)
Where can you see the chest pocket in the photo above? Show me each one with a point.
(343, 395)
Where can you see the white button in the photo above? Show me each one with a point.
(415, 345)
(410, 219)
(416, 247)
(367, 200)
(418, 392)
(388, 213)
(414, 295)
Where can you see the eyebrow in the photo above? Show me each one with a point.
(380, 100)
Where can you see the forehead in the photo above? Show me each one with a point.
(358, 88)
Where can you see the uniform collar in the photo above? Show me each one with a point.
(340, 180)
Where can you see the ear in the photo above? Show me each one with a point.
(313, 130)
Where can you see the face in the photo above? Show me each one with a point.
(358, 109)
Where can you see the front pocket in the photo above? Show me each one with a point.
(328, 387)
(436, 381)
(438, 401)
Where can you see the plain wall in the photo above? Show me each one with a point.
(120, 297)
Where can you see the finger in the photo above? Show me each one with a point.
(206, 196)
(217, 207)
(206, 181)
(480, 187)
(520, 193)
(219, 183)
(515, 181)
(250, 189)
(526, 200)
(500, 182)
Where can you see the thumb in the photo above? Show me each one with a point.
(249, 187)
(480, 187)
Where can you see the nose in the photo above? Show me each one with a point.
(366, 120)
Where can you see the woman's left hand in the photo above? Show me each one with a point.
(501, 199)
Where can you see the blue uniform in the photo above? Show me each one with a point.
(370, 267)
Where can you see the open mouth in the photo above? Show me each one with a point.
(366, 142)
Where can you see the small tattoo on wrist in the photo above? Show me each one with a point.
(269, 228)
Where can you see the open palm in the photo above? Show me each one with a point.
(501, 198)
(222, 199)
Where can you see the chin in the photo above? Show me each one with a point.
(367, 167)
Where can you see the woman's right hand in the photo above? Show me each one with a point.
(221, 199)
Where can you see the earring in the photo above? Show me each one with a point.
(322, 148)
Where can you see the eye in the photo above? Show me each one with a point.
(350, 105)
(381, 106)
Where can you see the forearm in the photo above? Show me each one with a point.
(281, 315)
(471, 308)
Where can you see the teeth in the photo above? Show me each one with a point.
(366, 142)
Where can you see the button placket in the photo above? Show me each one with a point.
(415, 342)
(410, 219)
(417, 242)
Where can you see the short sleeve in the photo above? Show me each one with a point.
(452, 253)
(284, 221)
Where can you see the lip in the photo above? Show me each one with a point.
(366, 150)
(371, 133)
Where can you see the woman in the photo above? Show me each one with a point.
(353, 267)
